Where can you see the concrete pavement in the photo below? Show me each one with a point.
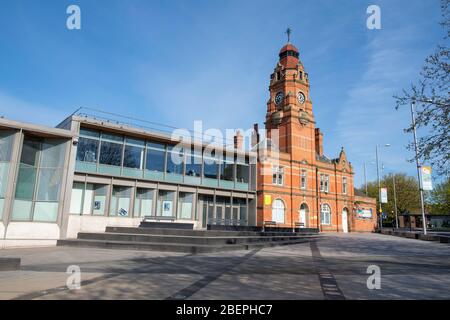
(334, 267)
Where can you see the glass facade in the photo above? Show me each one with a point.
(120, 201)
(194, 164)
(185, 205)
(38, 184)
(6, 143)
(165, 206)
(156, 157)
(143, 204)
(227, 169)
(175, 160)
(138, 158)
(90, 199)
(134, 154)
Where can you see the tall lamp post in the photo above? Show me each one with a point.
(418, 167)
(395, 197)
(395, 201)
(379, 185)
(365, 178)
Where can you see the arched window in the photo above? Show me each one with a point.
(325, 214)
(278, 211)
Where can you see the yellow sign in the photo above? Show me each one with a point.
(267, 199)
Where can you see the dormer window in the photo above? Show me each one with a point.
(300, 75)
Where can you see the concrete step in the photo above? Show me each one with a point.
(171, 247)
(181, 239)
(168, 225)
(211, 233)
(9, 264)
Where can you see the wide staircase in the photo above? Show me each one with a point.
(154, 238)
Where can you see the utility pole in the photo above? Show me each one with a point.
(379, 188)
(395, 201)
(379, 185)
(424, 221)
(365, 178)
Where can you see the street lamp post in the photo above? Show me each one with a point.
(365, 178)
(379, 188)
(424, 222)
(379, 185)
(395, 202)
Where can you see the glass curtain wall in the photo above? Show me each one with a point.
(194, 163)
(6, 143)
(155, 160)
(39, 180)
(227, 172)
(120, 201)
(165, 205)
(175, 160)
(185, 205)
(133, 157)
(143, 205)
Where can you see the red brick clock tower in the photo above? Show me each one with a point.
(300, 187)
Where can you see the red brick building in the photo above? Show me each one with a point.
(298, 186)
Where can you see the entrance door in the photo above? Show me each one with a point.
(344, 221)
(206, 209)
(303, 216)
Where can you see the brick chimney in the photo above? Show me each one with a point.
(255, 135)
(238, 140)
(319, 141)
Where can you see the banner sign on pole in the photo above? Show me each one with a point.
(383, 195)
(425, 173)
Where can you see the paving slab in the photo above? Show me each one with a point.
(332, 267)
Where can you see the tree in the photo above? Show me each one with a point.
(431, 95)
(439, 198)
(407, 194)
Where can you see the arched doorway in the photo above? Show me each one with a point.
(304, 216)
(345, 220)
(278, 209)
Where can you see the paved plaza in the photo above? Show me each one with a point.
(332, 267)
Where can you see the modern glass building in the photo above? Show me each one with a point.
(89, 173)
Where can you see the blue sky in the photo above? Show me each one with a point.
(176, 61)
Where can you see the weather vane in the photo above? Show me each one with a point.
(289, 32)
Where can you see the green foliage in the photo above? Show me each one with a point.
(407, 192)
(439, 199)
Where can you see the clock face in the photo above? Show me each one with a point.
(279, 98)
(301, 97)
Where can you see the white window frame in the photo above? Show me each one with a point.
(323, 212)
(278, 206)
(278, 176)
(324, 182)
(303, 179)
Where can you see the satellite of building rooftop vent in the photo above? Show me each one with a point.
(225, 159)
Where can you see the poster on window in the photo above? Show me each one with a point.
(167, 208)
(425, 173)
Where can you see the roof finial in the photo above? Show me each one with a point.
(289, 32)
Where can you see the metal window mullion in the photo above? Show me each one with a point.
(33, 200)
(100, 140)
(123, 156)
